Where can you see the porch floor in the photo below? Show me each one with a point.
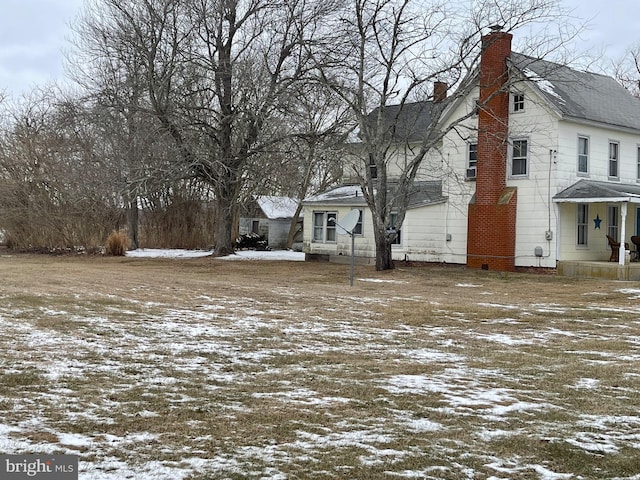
(606, 270)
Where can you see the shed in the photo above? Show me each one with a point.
(270, 216)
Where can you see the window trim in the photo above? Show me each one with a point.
(586, 155)
(615, 160)
(512, 158)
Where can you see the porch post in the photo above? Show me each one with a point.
(623, 233)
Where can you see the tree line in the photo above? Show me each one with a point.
(182, 110)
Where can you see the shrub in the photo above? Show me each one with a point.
(116, 244)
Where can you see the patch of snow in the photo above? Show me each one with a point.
(634, 292)
(543, 84)
(239, 255)
(167, 253)
(380, 280)
(502, 338)
(286, 255)
(75, 439)
(587, 384)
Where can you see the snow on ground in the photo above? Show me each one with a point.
(287, 255)
(232, 344)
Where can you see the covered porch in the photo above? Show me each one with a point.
(598, 224)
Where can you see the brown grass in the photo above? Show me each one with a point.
(263, 369)
(116, 244)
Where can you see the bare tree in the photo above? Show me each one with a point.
(215, 73)
(55, 193)
(309, 158)
(627, 71)
(393, 52)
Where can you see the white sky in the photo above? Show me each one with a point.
(34, 33)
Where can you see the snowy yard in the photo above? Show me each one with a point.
(201, 368)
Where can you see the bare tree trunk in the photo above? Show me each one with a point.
(132, 221)
(224, 227)
(293, 228)
(384, 260)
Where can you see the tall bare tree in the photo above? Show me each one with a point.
(215, 74)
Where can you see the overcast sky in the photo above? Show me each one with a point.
(34, 33)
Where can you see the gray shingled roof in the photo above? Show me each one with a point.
(412, 122)
(593, 191)
(423, 193)
(581, 95)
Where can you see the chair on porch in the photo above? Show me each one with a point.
(615, 248)
(635, 255)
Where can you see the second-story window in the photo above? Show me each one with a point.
(373, 168)
(517, 102)
(638, 166)
(583, 155)
(519, 158)
(614, 156)
(472, 160)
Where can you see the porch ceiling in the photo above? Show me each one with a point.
(592, 191)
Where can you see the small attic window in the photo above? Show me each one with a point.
(517, 102)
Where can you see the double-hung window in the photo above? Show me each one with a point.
(517, 102)
(583, 224)
(519, 158)
(324, 227)
(472, 160)
(614, 157)
(583, 155)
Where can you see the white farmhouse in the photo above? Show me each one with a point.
(544, 167)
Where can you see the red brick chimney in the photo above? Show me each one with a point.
(492, 212)
(439, 91)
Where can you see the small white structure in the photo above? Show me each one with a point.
(271, 217)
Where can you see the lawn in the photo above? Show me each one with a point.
(201, 368)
